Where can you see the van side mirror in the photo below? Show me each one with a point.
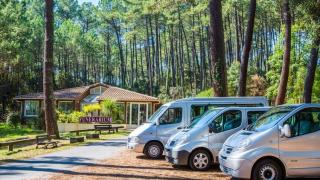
(212, 129)
(285, 131)
(157, 122)
(180, 127)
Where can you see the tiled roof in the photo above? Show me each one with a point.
(70, 93)
(76, 93)
(119, 94)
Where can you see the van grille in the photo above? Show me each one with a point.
(223, 157)
(228, 149)
(226, 169)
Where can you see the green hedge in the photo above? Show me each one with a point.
(70, 117)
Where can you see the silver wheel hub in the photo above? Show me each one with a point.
(267, 172)
(154, 151)
(200, 161)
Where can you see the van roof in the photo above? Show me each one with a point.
(245, 108)
(299, 105)
(255, 100)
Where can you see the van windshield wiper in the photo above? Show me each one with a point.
(249, 128)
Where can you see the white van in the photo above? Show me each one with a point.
(151, 137)
(198, 145)
(284, 142)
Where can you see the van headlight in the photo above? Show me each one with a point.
(244, 144)
(134, 139)
(184, 139)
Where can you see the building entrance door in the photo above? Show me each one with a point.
(138, 113)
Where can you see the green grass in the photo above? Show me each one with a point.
(103, 135)
(9, 133)
(31, 151)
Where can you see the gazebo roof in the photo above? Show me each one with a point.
(79, 93)
(123, 95)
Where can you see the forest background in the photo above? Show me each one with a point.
(160, 48)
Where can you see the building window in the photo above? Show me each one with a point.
(31, 108)
(97, 90)
(66, 106)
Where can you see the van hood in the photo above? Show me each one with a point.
(235, 139)
(144, 128)
(176, 136)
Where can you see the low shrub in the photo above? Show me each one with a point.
(13, 119)
(206, 93)
(70, 118)
(111, 109)
(91, 108)
(35, 123)
(118, 121)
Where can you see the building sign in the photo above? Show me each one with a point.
(96, 120)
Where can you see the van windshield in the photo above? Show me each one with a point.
(270, 118)
(204, 119)
(152, 118)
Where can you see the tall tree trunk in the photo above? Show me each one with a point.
(246, 50)
(117, 30)
(172, 55)
(311, 71)
(286, 57)
(237, 34)
(217, 49)
(194, 56)
(49, 107)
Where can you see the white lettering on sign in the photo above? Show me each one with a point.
(96, 120)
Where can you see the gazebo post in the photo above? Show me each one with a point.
(125, 112)
(153, 107)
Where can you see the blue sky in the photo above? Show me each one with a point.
(95, 2)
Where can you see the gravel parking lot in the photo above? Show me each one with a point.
(130, 165)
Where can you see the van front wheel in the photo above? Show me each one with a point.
(267, 169)
(200, 160)
(154, 150)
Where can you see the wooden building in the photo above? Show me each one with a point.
(137, 107)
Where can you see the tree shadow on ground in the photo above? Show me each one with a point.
(81, 162)
(69, 172)
(50, 160)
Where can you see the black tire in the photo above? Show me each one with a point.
(200, 160)
(154, 150)
(267, 168)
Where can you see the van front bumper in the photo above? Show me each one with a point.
(136, 147)
(177, 157)
(235, 167)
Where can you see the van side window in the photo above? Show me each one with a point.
(171, 116)
(228, 120)
(253, 116)
(304, 122)
(197, 111)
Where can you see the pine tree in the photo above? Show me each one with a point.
(49, 107)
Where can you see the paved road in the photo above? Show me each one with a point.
(61, 161)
